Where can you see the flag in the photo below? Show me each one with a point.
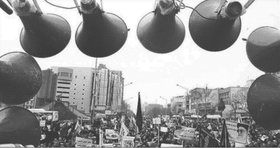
(224, 142)
(139, 118)
(77, 127)
(124, 130)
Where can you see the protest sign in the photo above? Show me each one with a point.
(238, 132)
(164, 129)
(156, 121)
(186, 133)
(170, 124)
(127, 141)
(111, 134)
(108, 112)
(83, 142)
(42, 123)
(170, 145)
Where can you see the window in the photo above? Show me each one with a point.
(83, 84)
(76, 76)
(63, 82)
(64, 74)
(64, 97)
(63, 87)
(84, 77)
(64, 92)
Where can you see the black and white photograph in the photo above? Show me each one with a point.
(139, 73)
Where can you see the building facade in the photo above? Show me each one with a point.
(178, 104)
(109, 89)
(203, 100)
(81, 87)
(235, 98)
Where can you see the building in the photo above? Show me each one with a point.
(178, 104)
(203, 101)
(235, 98)
(109, 90)
(80, 87)
(46, 94)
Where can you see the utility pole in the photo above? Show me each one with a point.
(94, 94)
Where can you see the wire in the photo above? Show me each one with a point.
(62, 7)
(181, 5)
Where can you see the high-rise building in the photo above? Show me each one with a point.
(74, 85)
(109, 89)
(80, 87)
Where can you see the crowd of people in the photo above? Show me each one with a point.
(64, 133)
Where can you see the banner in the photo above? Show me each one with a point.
(83, 142)
(170, 145)
(108, 112)
(186, 133)
(111, 134)
(156, 121)
(127, 141)
(238, 132)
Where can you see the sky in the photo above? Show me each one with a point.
(152, 74)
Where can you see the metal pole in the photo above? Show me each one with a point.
(94, 93)
(158, 133)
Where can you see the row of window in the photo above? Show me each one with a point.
(64, 82)
(63, 87)
(62, 92)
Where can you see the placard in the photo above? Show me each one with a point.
(164, 129)
(127, 141)
(238, 132)
(42, 123)
(156, 121)
(111, 134)
(186, 133)
(83, 142)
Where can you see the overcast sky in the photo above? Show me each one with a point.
(152, 74)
